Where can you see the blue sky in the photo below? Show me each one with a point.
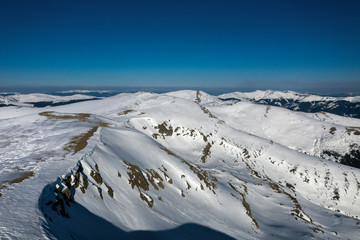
(296, 45)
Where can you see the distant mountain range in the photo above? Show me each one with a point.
(41, 99)
(343, 106)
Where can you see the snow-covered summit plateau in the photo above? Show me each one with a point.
(179, 165)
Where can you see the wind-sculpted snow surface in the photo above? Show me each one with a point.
(187, 165)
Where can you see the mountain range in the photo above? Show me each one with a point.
(180, 165)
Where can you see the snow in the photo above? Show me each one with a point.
(158, 162)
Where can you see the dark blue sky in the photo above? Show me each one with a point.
(298, 45)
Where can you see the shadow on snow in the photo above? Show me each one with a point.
(83, 224)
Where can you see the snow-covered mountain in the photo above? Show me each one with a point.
(180, 165)
(344, 106)
(40, 99)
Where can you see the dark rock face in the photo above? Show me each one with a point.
(52, 104)
(352, 158)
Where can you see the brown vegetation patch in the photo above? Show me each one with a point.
(204, 137)
(203, 176)
(290, 186)
(164, 129)
(21, 177)
(100, 193)
(96, 176)
(198, 94)
(332, 130)
(233, 187)
(336, 194)
(79, 142)
(206, 152)
(97, 167)
(85, 182)
(136, 178)
(246, 153)
(40, 159)
(356, 130)
(150, 202)
(15, 178)
(126, 112)
(75, 116)
(67, 194)
(248, 210)
(242, 180)
(168, 179)
(253, 172)
(182, 193)
(168, 151)
(274, 186)
(151, 176)
(297, 207)
(188, 185)
(244, 203)
(317, 230)
(81, 117)
(76, 179)
(110, 191)
(206, 111)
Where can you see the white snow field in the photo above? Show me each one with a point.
(179, 165)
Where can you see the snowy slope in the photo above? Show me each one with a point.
(295, 130)
(146, 165)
